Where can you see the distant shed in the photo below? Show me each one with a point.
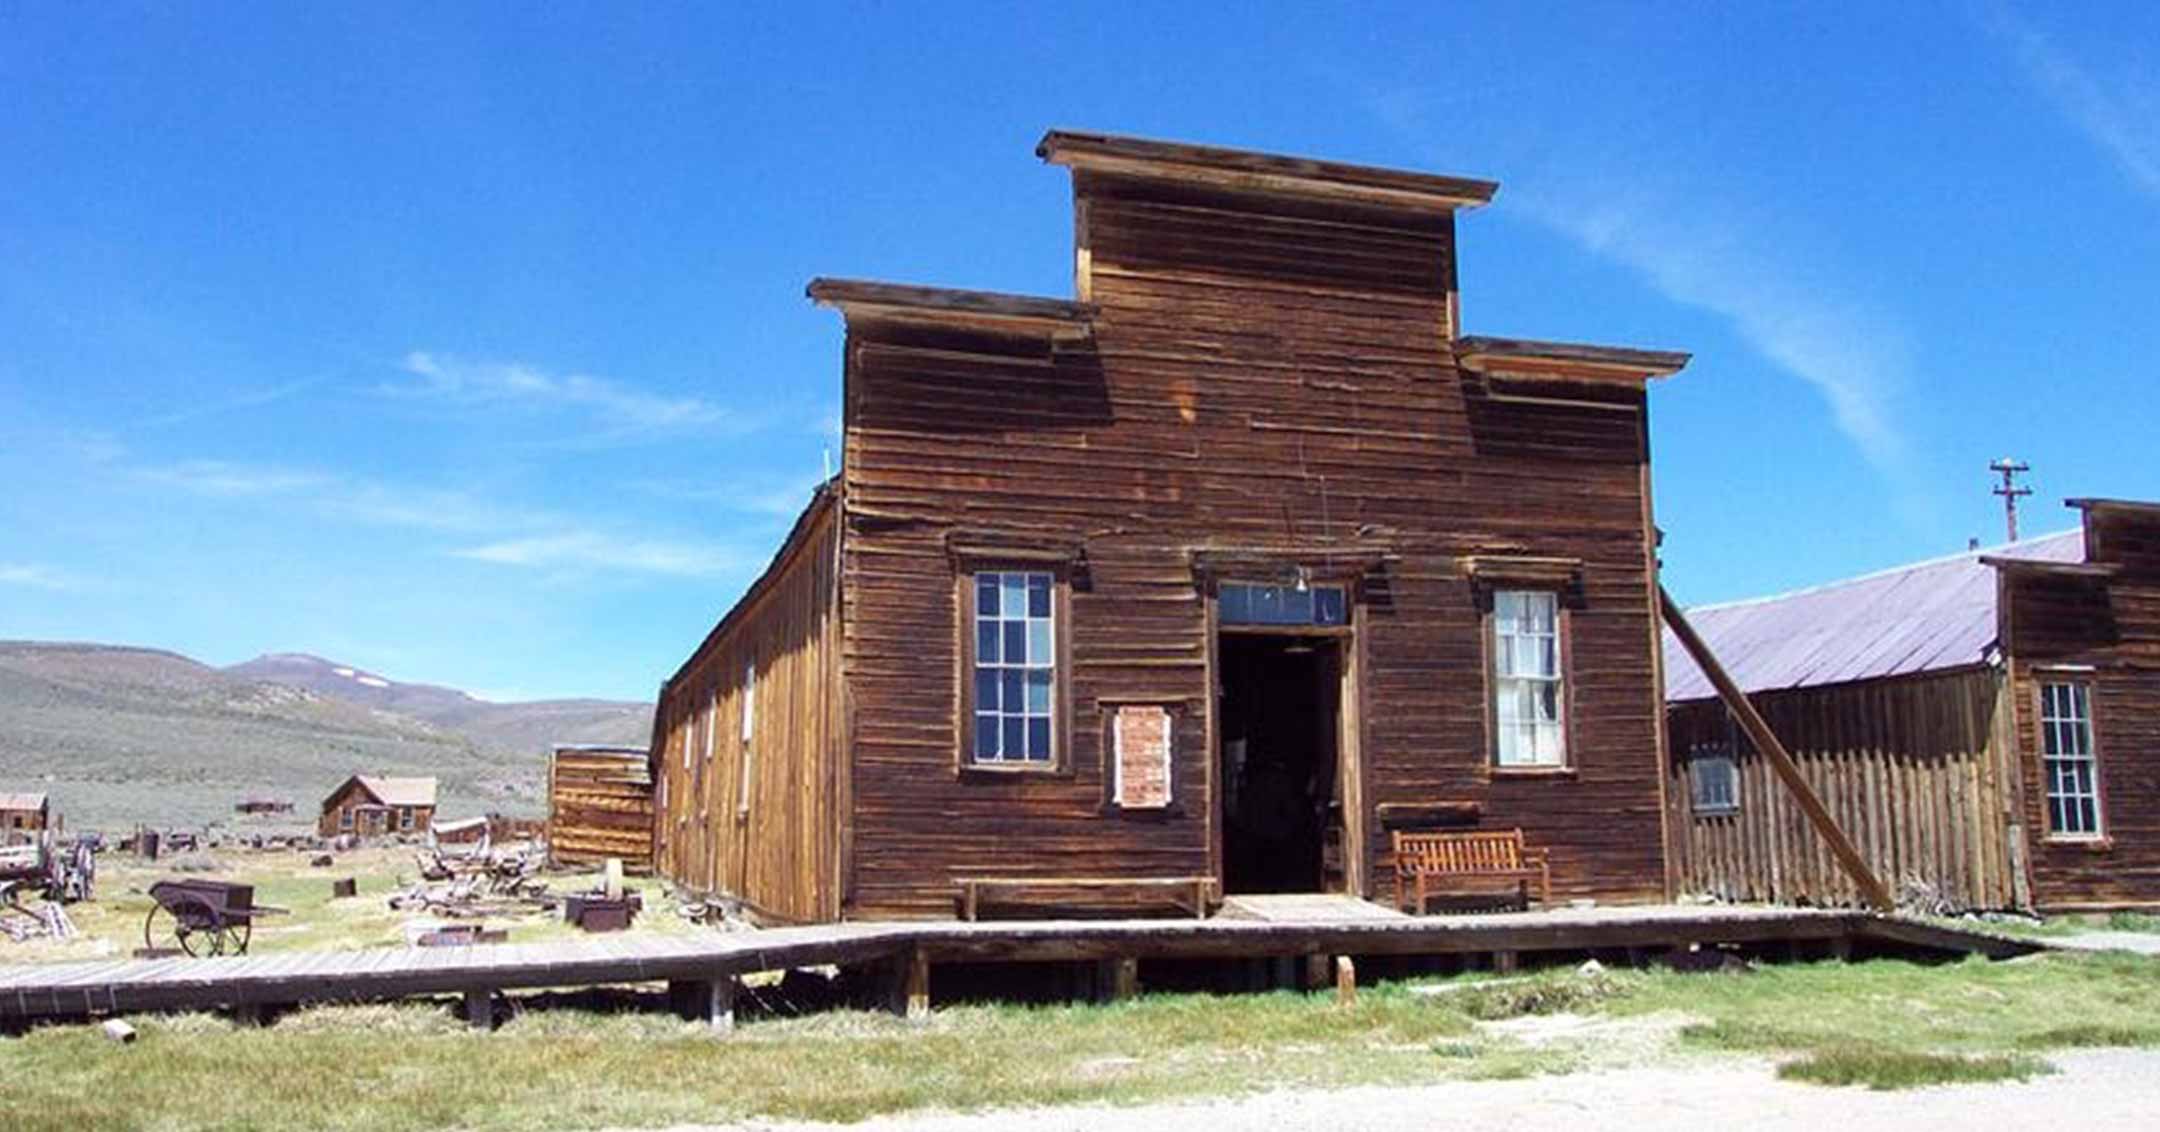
(600, 805)
(372, 806)
(29, 812)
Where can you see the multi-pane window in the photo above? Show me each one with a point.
(749, 749)
(1527, 691)
(1015, 677)
(1241, 603)
(1714, 779)
(2067, 760)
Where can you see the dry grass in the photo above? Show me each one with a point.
(415, 1066)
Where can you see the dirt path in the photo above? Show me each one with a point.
(2098, 1090)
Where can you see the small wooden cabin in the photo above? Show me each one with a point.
(1984, 727)
(1218, 572)
(25, 812)
(373, 806)
(600, 805)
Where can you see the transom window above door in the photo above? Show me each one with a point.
(1245, 603)
(1014, 682)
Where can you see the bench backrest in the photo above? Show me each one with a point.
(1494, 851)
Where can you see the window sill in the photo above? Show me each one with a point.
(992, 771)
(2079, 844)
(1531, 771)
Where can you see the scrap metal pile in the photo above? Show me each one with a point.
(53, 873)
(477, 882)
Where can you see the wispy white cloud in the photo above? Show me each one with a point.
(618, 411)
(511, 535)
(247, 399)
(222, 478)
(1854, 357)
(33, 576)
(773, 498)
(586, 550)
(2118, 113)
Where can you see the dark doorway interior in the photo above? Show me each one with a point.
(1282, 818)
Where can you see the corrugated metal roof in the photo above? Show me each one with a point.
(22, 801)
(1923, 617)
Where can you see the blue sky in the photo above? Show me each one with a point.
(467, 343)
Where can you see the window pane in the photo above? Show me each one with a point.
(1014, 691)
(1038, 737)
(1234, 605)
(1038, 652)
(986, 642)
(1015, 641)
(1038, 691)
(1038, 595)
(1015, 587)
(1015, 737)
(986, 595)
(1328, 606)
(986, 689)
(986, 736)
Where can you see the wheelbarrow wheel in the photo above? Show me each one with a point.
(188, 923)
(237, 935)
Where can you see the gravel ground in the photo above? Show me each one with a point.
(2098, 1090)
(2144, 943)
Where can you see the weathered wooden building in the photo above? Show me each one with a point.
(1216, 573)
(600, 805)
(372, 806)
(1984, 727)
(27, 812)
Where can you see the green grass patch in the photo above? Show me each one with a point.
(1894, 1069)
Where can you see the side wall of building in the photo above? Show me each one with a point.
(2102, 631)
(750, 809)
(1918, 771)
(600, 805)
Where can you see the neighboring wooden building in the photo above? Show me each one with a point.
(1984, 727)
(1220, 572)
(25, 812)
(600, 805)
(372, 806)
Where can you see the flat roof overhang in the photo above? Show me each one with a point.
(1252, 171)
(1523, 357)
(872, 301)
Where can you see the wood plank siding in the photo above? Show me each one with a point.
(2099, 627)
(1914, 770)
(1261, 380)
(600, 805)
(758, 819)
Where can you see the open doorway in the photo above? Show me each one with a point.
(1281, 792)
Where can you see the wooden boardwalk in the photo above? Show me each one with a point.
(122, 986)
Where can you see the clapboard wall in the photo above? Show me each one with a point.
(2100, 626)
(1264, 377)
(600, 805)
(753, 812)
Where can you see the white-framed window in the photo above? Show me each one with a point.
(1014, 683)
(1713, 779)
(1528, 693)
(712, 722)
(749, 700)
(689, 734)
(749, 749)
(405, 817)
(2068, 762)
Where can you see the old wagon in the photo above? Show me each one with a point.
(203, 917)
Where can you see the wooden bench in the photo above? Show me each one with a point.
(1423, 858)
(1199, 889)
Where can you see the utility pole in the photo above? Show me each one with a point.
(2010, 491)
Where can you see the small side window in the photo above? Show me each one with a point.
(1714, 779)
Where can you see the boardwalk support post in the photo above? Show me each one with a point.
(1781, 760)
(917, 988)
(480, 1009)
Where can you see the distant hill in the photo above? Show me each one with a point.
(527, 726)
(121, 735)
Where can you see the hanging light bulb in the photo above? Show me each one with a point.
(1304, 579)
